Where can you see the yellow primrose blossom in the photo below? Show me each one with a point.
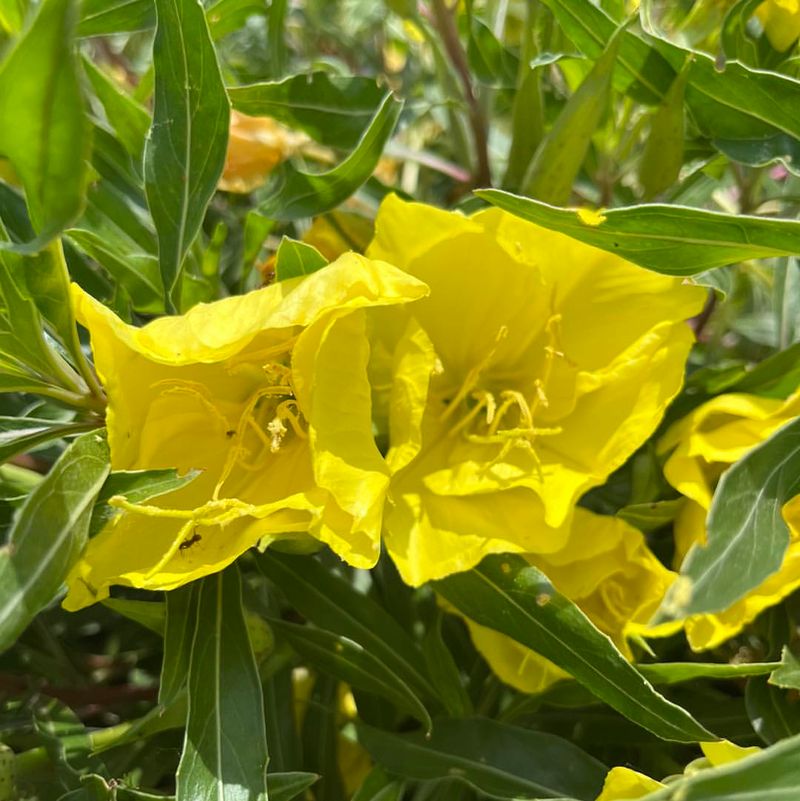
(705, 443)
(534, 369)
(605, 568)
(781, 21)
(267, 395)
(622, 784)
(256, 145)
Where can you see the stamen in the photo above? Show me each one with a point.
(485, 401)
(284, 411)
(474, 374)
(178, 386)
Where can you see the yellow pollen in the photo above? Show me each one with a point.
(278, 430)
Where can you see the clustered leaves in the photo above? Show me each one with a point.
(399, 400)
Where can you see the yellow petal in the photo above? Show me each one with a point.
(623, 783)
(430, 536)
(724, 752)
(330, 369)
(256, 145)
(781, 21)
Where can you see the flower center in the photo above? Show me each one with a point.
(504, 417)
(270, 414)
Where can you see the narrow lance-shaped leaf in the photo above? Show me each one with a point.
(772, 714)
(507, 594)
(747, 536)
(502, 761)
(49, 533)
(225, 750)
(331, 603)
(104, 17)
(673, 240)
(129, 120)
(22, 434)
(45, 132)
(662, 158)
(185, 150)
(352, 663)
(331, 109)
(293, 193)
(741, 104)
(560, 155)
(179, 632)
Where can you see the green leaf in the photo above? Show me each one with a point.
(773, 712)
(294, 259)
(352, 663)
(676, 672)
(320, 738)
(501, 761)
(650, 516)
(180, 623)
(26, 356)
(150, 614)
(746, 534)
(491, 62)
(276, 38)
(673, 240)
(104, 17)
(224, 700)
(739, 104)
(559, 157)
(45, 133)
(22, 434)
(332, 604)
(331, 109)
(379, 786)
(507, 594)
(293, 193)
(771, 775)
(279, 702)
(138, 273)
(444, 671)
(185, 151)
(286, 786)
(227, 16)
(788, 674)
(662, 158)
(129, 120)
(48, 534)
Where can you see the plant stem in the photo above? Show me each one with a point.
(445, 23)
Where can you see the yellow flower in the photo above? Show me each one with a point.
(256, 145)
(605, 568)
(781, 21)
(706, 442)
(535, 368)
(623, 784)
(267, 394)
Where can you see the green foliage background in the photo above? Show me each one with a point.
(679, 121)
